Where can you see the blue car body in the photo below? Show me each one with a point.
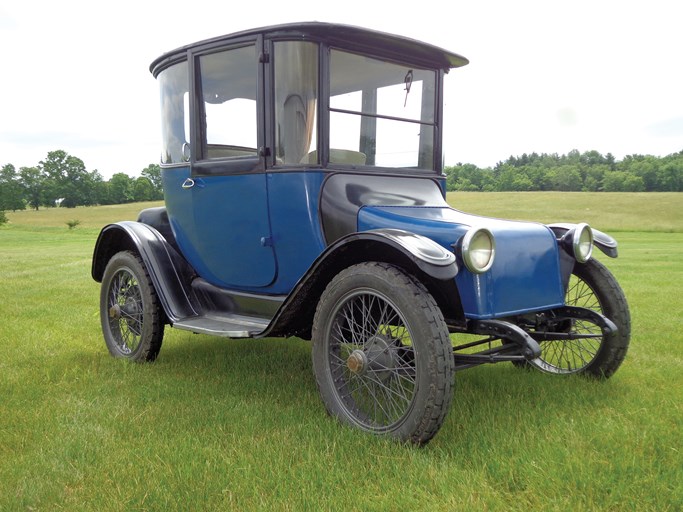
(252, 233)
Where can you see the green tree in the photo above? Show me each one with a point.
(619, 181)
(11, 192)
(564, 178)
(33, 183)
(153, 173)
(143, 190)
(121, 188)
(67, 178)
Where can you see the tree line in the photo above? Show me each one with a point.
(62, 180)
(586, 172)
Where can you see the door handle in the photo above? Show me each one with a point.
(188, 183)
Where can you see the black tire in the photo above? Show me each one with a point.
(382, 357)
(130, 312)
(591, 286)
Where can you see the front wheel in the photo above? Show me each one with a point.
(591, 286)
(382, 356)
(130, 312)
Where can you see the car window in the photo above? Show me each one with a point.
(228, 88)
(174, 89)
(296, 97)
(381, 110)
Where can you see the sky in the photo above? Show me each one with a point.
(544, 76)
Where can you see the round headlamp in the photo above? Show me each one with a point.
(478, 250)
(582, 242)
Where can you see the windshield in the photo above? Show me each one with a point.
(381, 113)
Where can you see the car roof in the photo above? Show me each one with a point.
(348, 36)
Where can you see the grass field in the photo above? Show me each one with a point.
(220, 424)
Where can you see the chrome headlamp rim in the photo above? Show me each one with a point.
(582, 242)
(466, 249)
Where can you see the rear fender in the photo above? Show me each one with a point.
(169, 272)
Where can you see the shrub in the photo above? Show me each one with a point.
(72, 223)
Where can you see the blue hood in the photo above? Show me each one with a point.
(525, 276)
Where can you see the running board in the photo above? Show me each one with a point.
(233, 326)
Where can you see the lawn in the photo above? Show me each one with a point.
(220, 424)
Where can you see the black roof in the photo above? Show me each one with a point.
(347, 36)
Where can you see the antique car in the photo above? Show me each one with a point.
(305, 196)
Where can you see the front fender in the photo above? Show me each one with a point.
(429, 256)
(169, 272)
(434, 266)
(602, 241)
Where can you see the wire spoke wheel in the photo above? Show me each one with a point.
(131, 316)
(381, 353)
(588, 350)
(371, 356)
(125, 311)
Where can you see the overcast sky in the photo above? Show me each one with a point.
(545, 76)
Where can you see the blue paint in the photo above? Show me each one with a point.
(525, 276)
(219, 223)
(295, 223)
(249, 232)
(222, 222)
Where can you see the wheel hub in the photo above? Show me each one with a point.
(378, 357)
(357, 362)
(130, 309)
(115, 312)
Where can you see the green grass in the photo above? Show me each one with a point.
(605, 211)
(237, 424)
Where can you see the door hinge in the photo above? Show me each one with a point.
(264, 57)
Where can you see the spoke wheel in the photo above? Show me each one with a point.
(381, 353)
(593, 287)
(131, 317)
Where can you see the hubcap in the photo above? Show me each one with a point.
(115, 312)
(357, 362)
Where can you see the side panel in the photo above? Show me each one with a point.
(232, 230)
(296, 232)
(295, 239)
(221, 226)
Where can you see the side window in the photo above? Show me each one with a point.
(228, 89)
(175, 115)
(296, 98)
(381, 113)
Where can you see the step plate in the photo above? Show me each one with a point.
(233, 327)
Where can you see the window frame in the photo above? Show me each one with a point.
(326, 110)
(200, 163)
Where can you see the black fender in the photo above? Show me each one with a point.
(434, 266)
(602, 241)
(169, 271)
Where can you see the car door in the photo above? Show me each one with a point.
(228, 234)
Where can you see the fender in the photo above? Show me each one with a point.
(433, 259)
(168, 270)
(602, 241)
(432, 264)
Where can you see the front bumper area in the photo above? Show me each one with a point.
(519, 339)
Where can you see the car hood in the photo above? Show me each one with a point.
(525, 275)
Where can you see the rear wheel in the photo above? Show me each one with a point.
(591, 286)
(381, 353)
(130, 312)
